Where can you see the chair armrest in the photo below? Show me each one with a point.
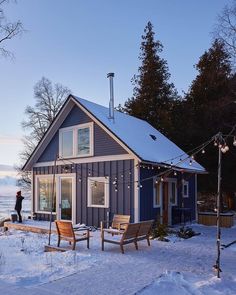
(112, 231)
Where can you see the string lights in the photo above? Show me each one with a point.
(170, 166)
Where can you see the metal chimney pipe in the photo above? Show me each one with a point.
(111, 103)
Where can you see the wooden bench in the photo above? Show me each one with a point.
(133, 233)
(66, 232)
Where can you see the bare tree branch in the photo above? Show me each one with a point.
(49, 99)
(8, 30)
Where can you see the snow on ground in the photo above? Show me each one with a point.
(173, 268)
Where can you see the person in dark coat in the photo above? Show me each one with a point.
(18, 205)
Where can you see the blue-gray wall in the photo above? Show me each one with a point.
(103, 144)
(120, 202)
(147, 211)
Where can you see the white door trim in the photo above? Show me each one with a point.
(73, 177)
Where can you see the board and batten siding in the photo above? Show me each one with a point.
(120, 202)
(147, 210)
(103, 144)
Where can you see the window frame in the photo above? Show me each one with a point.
(106, 191)
(185, 182)
(170, 182)
(37, 178)
(74, 130)
(155, 191)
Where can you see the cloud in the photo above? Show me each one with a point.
(10, 140)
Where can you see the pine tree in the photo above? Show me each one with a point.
(153, 94)
(210, 107)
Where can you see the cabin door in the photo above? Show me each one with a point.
(67, 198)
(165, 203)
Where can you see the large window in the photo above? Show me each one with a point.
(157, 193)
(76, 141)
(98, 192)
(45, 197)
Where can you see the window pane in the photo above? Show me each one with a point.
(45, 195)
(67, 143)
(186, 189)
(83, 141)
(97, 193)
(173, 193)
(157, 194)
(66, 198)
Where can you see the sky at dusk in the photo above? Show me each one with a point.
(76, 43)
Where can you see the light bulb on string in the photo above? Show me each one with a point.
(234, 142)
(215, 143)
(203, 151)
(156, 181)
(223, 150)
(128, 186)
(175, 173)
(159, 167)
(162, 179)
(190, 162)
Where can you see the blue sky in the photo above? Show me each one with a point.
(77, 43)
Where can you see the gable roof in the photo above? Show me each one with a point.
(138, 136)
(144, 140)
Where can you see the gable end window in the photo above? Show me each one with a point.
(76, 141)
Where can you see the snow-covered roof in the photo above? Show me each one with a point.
(139, 136)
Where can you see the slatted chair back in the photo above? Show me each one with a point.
(145, 228)
(65, 229)
(120, 221)
(131, 231)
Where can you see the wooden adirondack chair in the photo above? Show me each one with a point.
(66, 232)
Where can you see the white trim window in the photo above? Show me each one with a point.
(185, 189)
(172, 189)
(157, 193)
(76, 141)
(98, 192)
(44, 189)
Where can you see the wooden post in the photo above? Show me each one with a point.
(218, 210)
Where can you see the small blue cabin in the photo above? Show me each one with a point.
(98, 165)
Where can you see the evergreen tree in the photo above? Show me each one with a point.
(153, 94)
(210, 108)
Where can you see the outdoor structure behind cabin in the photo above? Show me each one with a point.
(107, 165)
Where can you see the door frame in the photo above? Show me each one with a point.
(58, 195)
(168, 181)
